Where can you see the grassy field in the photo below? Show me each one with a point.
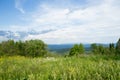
(70, 68)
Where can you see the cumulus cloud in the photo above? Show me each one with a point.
(96, 22)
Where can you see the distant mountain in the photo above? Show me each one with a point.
(63, 48)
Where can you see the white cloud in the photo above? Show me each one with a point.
(19, 5)
(78, 34)
(53, 16)
(3, 38)
(95, 23)
(18, 28)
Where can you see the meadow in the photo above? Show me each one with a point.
(61, 68)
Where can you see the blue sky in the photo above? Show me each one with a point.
(68, 21)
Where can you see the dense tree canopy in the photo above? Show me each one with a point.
(118, 47)
(36, 48)
(76, 50)
(32, 48)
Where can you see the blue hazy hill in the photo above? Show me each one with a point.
(62, 48)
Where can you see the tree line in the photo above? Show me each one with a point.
(112, 49)
(37, 48)
(31, 48)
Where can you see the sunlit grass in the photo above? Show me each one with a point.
(71, 68)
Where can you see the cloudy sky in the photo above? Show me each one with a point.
(68, 21)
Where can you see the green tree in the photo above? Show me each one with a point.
(35, 48)
(101, 49)
(8, 48)
(1, 52)
(112, 49)
(118, 47)
(76, 50)
(98, 49)
(94, 48)
(20, 48)
(81, 49)
(32, 48)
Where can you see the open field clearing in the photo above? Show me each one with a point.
(71, 68)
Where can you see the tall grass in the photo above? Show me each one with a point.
(71, 68)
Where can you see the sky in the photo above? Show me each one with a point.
(67, 21)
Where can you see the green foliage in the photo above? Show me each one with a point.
(32, 48)
(35, 48)
(8, 48)
(100, 49)
(94, 48)
(70, 68)
(20, 48)
(97, 49)
(81, 49)
(76, 50)
(118, 47)
(111, 46)
(112, 49)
